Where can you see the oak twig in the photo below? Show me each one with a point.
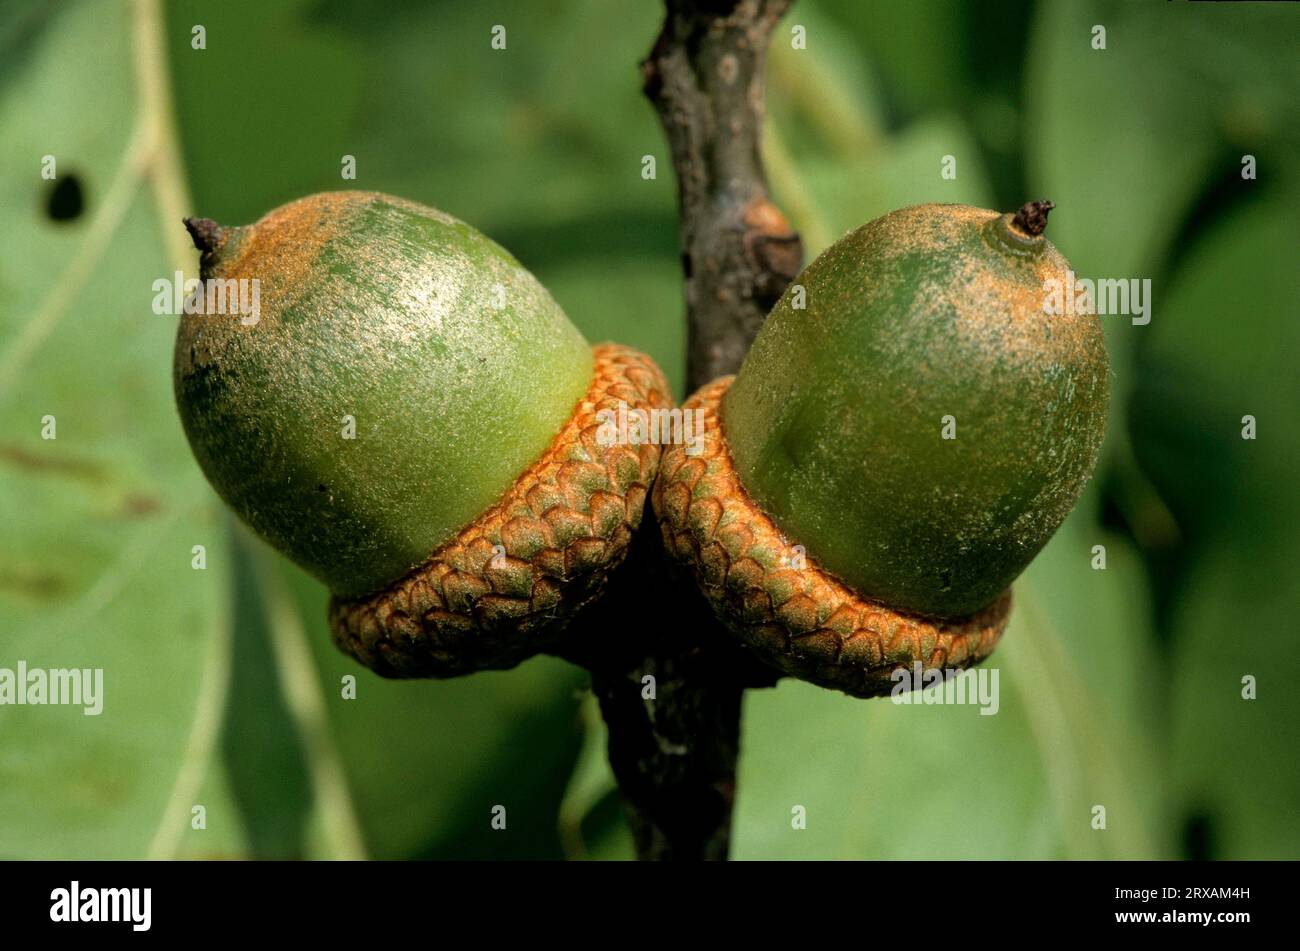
(705, 78)
(674, 754)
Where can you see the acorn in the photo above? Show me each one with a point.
(908, 430)
(412, 418)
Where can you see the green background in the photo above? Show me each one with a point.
(1120, 688)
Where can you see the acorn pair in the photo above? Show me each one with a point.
(415, 421)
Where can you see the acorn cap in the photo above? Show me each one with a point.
(500, 591)
(410, 417)
(776, 597)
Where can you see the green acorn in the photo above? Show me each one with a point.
(411, 418)
(892, 455)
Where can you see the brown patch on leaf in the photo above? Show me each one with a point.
(52, 464)
(42, 585)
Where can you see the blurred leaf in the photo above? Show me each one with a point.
(831, 164)
(607, 836)
(590, 785)
(1123, 138)
(99, 522)
(634, 300)
(883, 781)
(829, 197)
(919, 47)
(335, 817)
(532, 136)
(224, 836)
(261, 752)
(426, 761)
(1221, 354)
(1235, 773)
(265, 107)
(1084, 644)
(880, 780)
(828, 100)
(939, 57)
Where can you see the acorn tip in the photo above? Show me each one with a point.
(1032, 217)
(204, 232)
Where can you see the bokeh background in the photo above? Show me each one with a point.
(1119, 687)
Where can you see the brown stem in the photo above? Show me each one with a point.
(670, 694)
(705, 78)
(674, 755)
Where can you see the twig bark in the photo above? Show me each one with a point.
(705, 78)
(672, 697)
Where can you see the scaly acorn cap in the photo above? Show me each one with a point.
(833, 527)
(402, 380)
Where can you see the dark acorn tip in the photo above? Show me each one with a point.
(205, 233)
(1032, 217)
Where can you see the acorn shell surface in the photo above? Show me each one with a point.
(403, 370)
(925, 323)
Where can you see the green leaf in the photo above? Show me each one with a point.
(635, 300)
(223, 835)
(593, 825)
(918, 49)
(825, 95)
(827, 196)
(1223, 353)
(425, 762)
(258, 798)
(880, 780)
(1235, 782)
(1124, 138)
(101, 521)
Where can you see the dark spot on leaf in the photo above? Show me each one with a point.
(1198, 837)
(138, 505)
(33, 584)
(64, 201)
(321, 488)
